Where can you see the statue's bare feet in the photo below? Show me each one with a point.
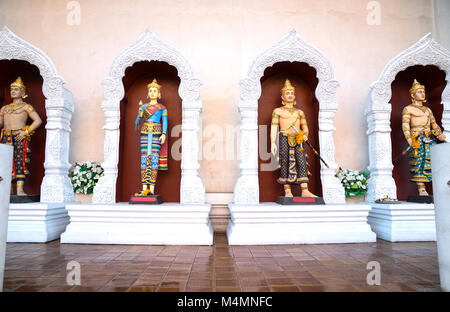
(20, 192)
(423, 192)
(307, 193)
(288, 193)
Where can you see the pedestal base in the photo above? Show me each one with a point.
(36, 222)
(420, 199)
(297, 200)
(146, 200)
(15, 199)
(403, 222)
(270, 223)
(122, 223)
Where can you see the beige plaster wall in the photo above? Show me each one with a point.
(220, 39)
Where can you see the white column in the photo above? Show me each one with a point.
(6, 155)
(441, 190)
(105, 190)
(192, 189)
(246, 190)
(381, 183)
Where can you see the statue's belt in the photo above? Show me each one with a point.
(426, 133)
(153, 127)
(294, 139)
(11, 132)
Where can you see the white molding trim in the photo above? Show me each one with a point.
(271, 223)
(291, 48)
(56, 186)
(122, 223)
(36, 222)
(403, 222)
(150, 48)
(426, 51)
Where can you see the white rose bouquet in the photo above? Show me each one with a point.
(84, 176)
(354, 182)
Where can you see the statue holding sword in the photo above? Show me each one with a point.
(288, 132)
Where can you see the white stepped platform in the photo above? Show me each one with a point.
(36, 222)
(403, 222)
(122, 223)
(271, 223)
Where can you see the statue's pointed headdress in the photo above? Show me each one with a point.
(416, 86)
(287, 86)
(155, 84)
(19, 83)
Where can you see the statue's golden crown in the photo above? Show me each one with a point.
(416, 86)
(287, 86)
(154, 84)
(19, 83)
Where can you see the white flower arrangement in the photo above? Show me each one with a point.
(354, 182)
(84, 176)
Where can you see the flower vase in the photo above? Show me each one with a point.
(354, 199)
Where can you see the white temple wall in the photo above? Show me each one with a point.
(220, 39)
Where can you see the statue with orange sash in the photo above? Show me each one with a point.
(16, 132)
(421, 131)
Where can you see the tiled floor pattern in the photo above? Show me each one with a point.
(409, 266)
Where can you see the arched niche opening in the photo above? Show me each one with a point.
(433, 79)
(9, 71)
(135, 83)
(303, 77)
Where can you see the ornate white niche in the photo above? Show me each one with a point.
(44, 221)
(148, 47)
(56, 186)
(426, 51)
(270, 223)
(291, 48)
(107, 222)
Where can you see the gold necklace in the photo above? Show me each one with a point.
(11, 108)
(421, 107)
(289, 109)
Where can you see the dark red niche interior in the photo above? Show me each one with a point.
(434, 81)
(135, 83)
(303, 78)
(9, 71)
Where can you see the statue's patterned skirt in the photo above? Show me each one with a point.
(292, 162)
(421, 159)
(22, 153)
(150, 162)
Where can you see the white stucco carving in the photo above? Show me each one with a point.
(56, 186)
(150, 48)
(293, 49)
(426, 51)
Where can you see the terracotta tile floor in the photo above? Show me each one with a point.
(279, 268)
